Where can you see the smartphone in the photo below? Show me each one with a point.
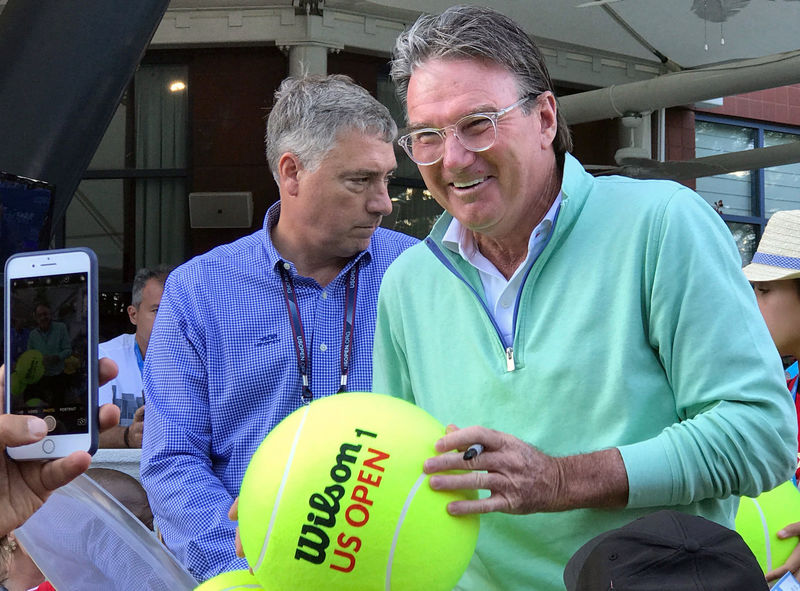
(50, 300)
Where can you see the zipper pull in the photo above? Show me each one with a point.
(510, 359)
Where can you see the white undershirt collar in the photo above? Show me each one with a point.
(500, 294)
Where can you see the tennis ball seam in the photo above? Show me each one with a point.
(767, 541)
(279, 495)
(401, 518)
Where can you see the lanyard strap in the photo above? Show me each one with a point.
(139, 358)
(349, 326)
(298, 334)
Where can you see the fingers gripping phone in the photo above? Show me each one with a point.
(51, 348)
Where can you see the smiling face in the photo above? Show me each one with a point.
(779, 302)
(344, 199)
(505, 190)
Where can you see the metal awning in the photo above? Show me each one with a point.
(698, 49)
(690, 33)
(629, 55)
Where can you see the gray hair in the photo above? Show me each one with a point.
(7, 549)
(144, 275)
(479, 33)
(310, 111)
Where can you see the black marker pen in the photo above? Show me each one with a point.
(473, 451)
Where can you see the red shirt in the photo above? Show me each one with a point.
(791, 383)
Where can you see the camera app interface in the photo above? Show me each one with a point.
(49, 373)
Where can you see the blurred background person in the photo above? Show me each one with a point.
(127, 490)
(775, 275)
(51, 339)
(18, 572)
(128, 351)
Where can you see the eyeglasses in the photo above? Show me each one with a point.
(476, 132)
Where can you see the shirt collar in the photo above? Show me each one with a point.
(273, 256)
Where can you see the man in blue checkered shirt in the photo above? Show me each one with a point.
(251, 330)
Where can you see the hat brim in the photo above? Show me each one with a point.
(759, 272)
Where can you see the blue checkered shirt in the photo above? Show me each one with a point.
(221, 372)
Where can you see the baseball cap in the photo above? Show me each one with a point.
(665, 550)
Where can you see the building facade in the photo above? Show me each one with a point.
(186, 142)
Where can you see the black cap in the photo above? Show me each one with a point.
(665, 550)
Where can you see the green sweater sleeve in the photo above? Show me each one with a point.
(737, 433)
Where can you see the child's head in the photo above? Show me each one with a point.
(127, 490)
(779, 302)
(775, 275)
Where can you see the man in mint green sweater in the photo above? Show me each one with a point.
(594, 335)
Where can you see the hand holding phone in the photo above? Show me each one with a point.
(51, 348)
(24, 486)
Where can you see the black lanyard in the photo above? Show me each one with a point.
(299, 337)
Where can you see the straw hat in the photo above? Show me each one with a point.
(778, 253)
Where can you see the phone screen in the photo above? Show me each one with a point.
(48, 340)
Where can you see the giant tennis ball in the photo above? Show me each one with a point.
(759, 519)
(335, 499)
(30, 366)
(234, 580)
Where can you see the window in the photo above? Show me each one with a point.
(414, 210)
(747, 199)
(131, 207)
(781, 183)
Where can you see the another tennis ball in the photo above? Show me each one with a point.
(18, 384)
(335, 499)
(234, 580)
(71, 365)
(30, 366)
(759, 519)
